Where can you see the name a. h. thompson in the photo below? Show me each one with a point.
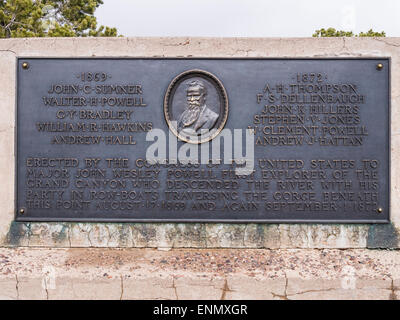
(202, 309)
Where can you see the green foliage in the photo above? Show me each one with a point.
(51, 18)
(332, 32)
(371, 33)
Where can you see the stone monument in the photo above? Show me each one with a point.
(231, 156)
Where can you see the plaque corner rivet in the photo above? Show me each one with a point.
(25, 65)
(379, 66)
(22, 211)
(380, 210)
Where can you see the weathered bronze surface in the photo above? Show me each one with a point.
(321, 131)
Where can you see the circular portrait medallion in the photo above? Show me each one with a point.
(196, 106)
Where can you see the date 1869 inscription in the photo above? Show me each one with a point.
(234, 140)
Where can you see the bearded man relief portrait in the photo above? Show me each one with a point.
(197, 114)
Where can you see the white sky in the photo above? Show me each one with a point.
(248, 18)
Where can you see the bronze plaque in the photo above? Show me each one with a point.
(203, 140)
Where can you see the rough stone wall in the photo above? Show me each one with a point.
(197, 274)
(191, 235)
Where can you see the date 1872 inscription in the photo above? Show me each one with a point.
(235, 140)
